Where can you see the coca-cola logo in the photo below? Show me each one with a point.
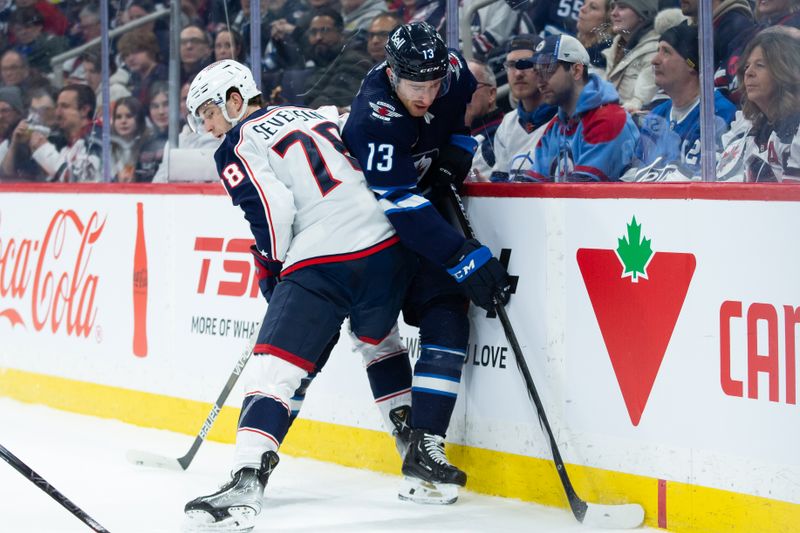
(46, 283)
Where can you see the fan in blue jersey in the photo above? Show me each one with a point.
(550, 17)
(323, 251)
(406, 128)
(669, 147)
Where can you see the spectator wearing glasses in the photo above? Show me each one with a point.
(517, 135)
(592, 138)
(88, 26)
(337, 72)
(483, 118)
(195, 51)
(378, 34)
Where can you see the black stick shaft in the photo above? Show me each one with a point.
(50, 490)
(577, 505)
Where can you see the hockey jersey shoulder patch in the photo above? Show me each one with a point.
(383, 111)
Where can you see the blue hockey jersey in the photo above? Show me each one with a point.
(395, 151)
(679, 140)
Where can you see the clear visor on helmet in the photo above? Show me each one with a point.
(195, 120)
(418, 89)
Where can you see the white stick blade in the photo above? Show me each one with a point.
(153, 460)
(624, 516)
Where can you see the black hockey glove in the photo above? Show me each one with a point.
(482, 276)
(267, 272)
(454, 161)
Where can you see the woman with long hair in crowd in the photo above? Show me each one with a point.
(128, 133)
(228, 45)
(153, 148)
(767, 149)
(594, 32)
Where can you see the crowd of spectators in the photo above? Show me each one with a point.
(624, 106)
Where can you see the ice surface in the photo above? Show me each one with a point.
(84, 458)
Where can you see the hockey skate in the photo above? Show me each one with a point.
(236, 504)
(402, 431)
(429, 476)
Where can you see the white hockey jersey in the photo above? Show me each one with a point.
(303, 195)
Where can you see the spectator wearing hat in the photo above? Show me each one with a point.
(30, 40)
(54, 21)
(628, 58)
(592, 138)
(669, 147)
(517, 134)
(11, 111)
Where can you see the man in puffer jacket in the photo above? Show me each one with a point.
(592, 138)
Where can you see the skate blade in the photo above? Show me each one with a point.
(240, 519)
(419, 491)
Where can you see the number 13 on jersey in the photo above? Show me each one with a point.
(380, 157)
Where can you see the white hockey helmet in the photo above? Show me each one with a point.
(212, 83)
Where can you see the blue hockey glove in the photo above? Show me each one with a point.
(455, 161)
(267, 272)
(482, 276)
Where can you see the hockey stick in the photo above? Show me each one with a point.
(143, 458)
(51, 491)
(619, 516)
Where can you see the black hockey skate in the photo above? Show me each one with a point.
(402, 431)
(429, 476)
(236, 504)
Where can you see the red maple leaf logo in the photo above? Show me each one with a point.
(383, 111)
(636, 315)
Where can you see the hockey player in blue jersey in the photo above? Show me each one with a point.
(320, 231)
(406, 128)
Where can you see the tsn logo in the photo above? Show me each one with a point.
(228, 265)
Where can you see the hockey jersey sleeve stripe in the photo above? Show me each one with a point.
(267, 211)
(337, 258)
(406, 203)
(280, 353)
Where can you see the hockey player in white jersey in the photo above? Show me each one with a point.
(320, 231)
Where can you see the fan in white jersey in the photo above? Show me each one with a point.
(324, 251)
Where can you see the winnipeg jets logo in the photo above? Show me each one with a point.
(383, 111)
(423, 161)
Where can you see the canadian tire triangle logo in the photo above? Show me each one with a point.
(637, 296)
